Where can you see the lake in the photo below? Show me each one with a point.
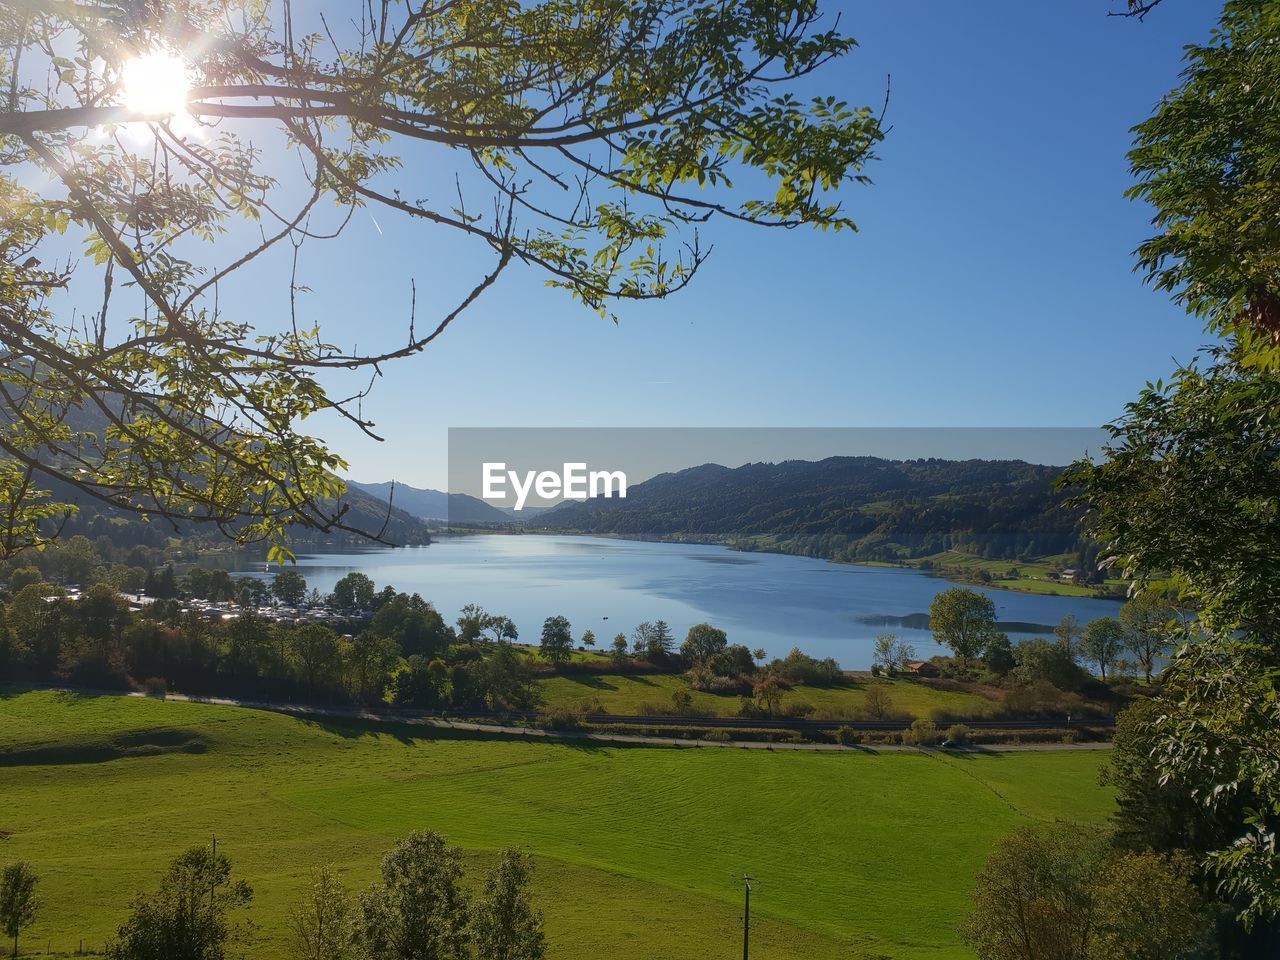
(760, 599)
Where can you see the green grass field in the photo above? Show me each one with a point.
(635, 693)
(639, 850)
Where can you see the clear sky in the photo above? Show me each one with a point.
(990, 283)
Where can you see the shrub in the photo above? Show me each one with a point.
(155, 687)
(717, 736)
(959, 733)
(922, 733)
(560, 718)
(847, 736)
(797, 709)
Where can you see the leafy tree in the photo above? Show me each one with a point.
(413, 623)
(18, 900)
(501, 679)
(1102, 642)
(417, 910)
(471, 622)
(501, 628)
(289, 587)
(671, 111)
(505, 925)
(1061, 893)
(964, 620)
(1068, 632)
(1205, 162)
(1033, 898)
(354, 591)
(315, 648)
(877, 703)
(1148, 621)
(588, 639)
(768, 694)
(1183, 495)
(189, 917)
(703, 642)
(1148, 908)
(557, 640)
(998, 655)
(891, 654)
(322, 919)
(369, 659)
(619, 646)
(24, 576)
(1040, 660)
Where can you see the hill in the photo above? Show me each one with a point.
(846, 508)
(854, 853)
(427, 504)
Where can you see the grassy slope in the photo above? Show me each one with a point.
(622, 693)
(639, 849)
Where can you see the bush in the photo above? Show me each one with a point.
(797, 709)
(155, 687)
(847, 736)
(560, 718)
(717, 736)
(923, 733)
(960, 734)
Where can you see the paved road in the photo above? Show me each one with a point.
(495, 729)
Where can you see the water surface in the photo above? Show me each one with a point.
(760, 599)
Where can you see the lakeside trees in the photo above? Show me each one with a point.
(964, 620)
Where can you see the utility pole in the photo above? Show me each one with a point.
(213, 874)
(746, 913)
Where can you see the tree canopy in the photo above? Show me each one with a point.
(588, 141)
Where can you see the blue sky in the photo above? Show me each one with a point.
(990, 283)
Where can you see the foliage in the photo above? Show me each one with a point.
(557, 640)
(1187, 492)
(1059, 893)
(505, 925)
(189, 917)
(322, 919)
(891, 654)
(664, 115)
(18, 900)
(964, 620)
(702, 642)
(417, 910)
(1047, 661)
(1102, 642)
(1206, 162)
(354, 591)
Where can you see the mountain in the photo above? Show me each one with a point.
(845, 508)
(434, 504)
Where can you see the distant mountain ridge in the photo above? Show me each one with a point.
(845, 508)
(428, 504)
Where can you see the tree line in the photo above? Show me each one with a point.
(418, 908)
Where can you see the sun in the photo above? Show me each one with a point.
(156, 84)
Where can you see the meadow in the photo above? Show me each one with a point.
(640, 851)
(624, 693)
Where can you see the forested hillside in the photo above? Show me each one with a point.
(847, 508)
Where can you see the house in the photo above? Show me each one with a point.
(922, 668)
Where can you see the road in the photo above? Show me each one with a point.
(497, 729)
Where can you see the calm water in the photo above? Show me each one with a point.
(759, 599)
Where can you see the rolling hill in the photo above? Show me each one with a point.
(845, 508)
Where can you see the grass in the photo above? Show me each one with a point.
(635, 693)
(639, 850)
